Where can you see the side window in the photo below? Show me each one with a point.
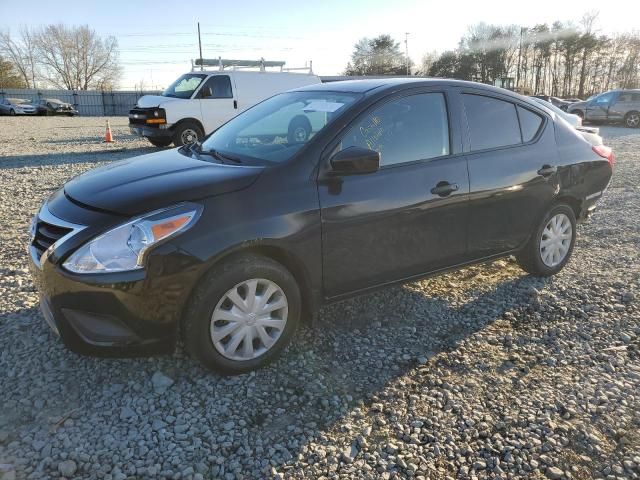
(492, 123)
(219, 86)
(530, 123)
(404, 130)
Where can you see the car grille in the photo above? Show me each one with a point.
(46, 234)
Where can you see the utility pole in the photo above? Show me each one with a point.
(519, 57)
(200, 47)
(406, 50)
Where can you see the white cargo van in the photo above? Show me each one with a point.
(200, 101)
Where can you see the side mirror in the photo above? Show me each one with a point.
(355, 160)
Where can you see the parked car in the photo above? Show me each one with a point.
(590, 134)
(199, 102)
(619, 106)
(52, 106)
(558, 102)
(16, 106)
(231, 242)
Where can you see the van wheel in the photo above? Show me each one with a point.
(187, 133)
(241, 316)
(632, 119)
(160, 143)
(551, 245)
(299, 129)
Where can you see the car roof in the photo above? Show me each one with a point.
(379, 84)
(376, 85)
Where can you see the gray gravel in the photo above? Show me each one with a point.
(483, 373)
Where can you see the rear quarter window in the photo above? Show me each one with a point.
(530, 123)
(492, 122)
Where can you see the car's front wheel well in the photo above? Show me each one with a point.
(277, 254)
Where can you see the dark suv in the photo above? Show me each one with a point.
(612, 106)
(230, 243)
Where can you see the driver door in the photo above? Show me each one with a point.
(598, 108)
(397, 222)
(218, 104)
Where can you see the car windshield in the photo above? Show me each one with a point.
(184, 86)
(16, 101)
(277, 128)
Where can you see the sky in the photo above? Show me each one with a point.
(157, 39)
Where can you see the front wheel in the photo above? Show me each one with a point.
(551, 245)
(12, 112)
(160, 143)
(187, 133)
(241, 316)
(632, 119)
(579, 113)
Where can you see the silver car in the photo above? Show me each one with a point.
(612, 106)
(16, 106)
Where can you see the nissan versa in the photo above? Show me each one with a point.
(229, 243)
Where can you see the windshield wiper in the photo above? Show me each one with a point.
(219, 155)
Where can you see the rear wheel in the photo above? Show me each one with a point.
(187, 133)
(241, 316)
(632, 119)
(551, 245)
(160, 143)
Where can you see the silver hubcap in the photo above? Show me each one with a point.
(188, 136)
(556, 240)
(633, 120)
(300, 134)
(249, 319)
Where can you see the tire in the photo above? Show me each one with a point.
(580, 113)
(12, 112)
(632, 119)
(299, 129)
(531, 258)
(186, 130)
(210, 300)
(160, 143)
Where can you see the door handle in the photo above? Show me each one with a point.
(547, 170)
(444, 188)
(235, 104)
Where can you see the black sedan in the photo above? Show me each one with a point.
(51, 106)
(231, 243)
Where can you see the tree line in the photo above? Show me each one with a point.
(559, 59)
(58, 56)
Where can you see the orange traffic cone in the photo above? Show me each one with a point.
(108, 137)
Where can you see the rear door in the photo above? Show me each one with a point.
(402, 220)
(626, 102)
(217, 102)
(512, 162)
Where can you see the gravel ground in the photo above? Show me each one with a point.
(482, 373)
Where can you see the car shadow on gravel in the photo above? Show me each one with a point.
(107, 154)
(345, 361)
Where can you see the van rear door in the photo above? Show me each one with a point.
(218, 102)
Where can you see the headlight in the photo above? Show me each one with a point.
(123, 248)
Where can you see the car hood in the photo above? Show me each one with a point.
(148, 101)
(148, 182)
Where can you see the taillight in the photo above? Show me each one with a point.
(605, 152)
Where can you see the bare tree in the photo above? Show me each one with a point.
(21, 53)
(76, 58)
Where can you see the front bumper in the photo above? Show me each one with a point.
(151, 132)
(116, 314)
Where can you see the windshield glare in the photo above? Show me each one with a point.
(277, 128)
(184, 86)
